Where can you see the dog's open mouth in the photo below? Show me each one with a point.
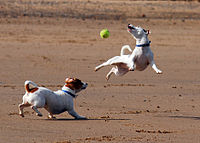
(84, 86)
(130, 27)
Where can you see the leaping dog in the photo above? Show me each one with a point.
(139, 59)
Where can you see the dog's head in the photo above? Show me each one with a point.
(137, 32)
(75, 84)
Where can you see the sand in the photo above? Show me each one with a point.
(46, 41)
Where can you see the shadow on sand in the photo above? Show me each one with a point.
(185, 117)
(89, 119)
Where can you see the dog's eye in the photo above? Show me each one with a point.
(78, 84)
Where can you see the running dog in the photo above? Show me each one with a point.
(55, 102)
(139, 59)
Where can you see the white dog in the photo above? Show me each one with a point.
(140, 58)
(55, 102)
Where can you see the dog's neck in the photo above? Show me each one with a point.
(142, 41)
(64, 88)
(143, 45)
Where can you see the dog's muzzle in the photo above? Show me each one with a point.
(84, 86)
(130, 26)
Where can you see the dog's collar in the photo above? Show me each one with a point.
(144, 45)
(73, 95)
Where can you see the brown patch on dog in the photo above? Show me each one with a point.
(34, 89)
(31, 90)
(73, 83)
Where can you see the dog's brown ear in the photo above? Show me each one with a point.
(148, 32)
(72, 80)
(76, 81)
(68, 80)
(77, 84)
(73, 83)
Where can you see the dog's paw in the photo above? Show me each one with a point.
(95, 69)
(131, 69)
(107, 78)
(159, 72)
(22, 115)
(51, 117)
(54, 118)
(39, 114)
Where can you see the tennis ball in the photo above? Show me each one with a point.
(104, 33)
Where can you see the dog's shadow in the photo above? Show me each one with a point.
(185, 117)
(88, 119)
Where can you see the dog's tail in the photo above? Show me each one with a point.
(123, 49)
(30, 86)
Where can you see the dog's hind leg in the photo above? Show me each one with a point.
(36, 110)
(21, 107)
(102, 65)
(118, 70)
(98, 67)
(113, 70)
(112, 61)
(39, 103)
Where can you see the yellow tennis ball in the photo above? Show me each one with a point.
(104, 33)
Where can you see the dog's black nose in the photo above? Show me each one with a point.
(130, 26)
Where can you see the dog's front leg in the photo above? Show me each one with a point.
(131, 66)
(131, 62)
(75, 115)
(153, 65)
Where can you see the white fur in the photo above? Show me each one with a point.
(55, 102)
(139, 59)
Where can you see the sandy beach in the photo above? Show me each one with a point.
(46, 41)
